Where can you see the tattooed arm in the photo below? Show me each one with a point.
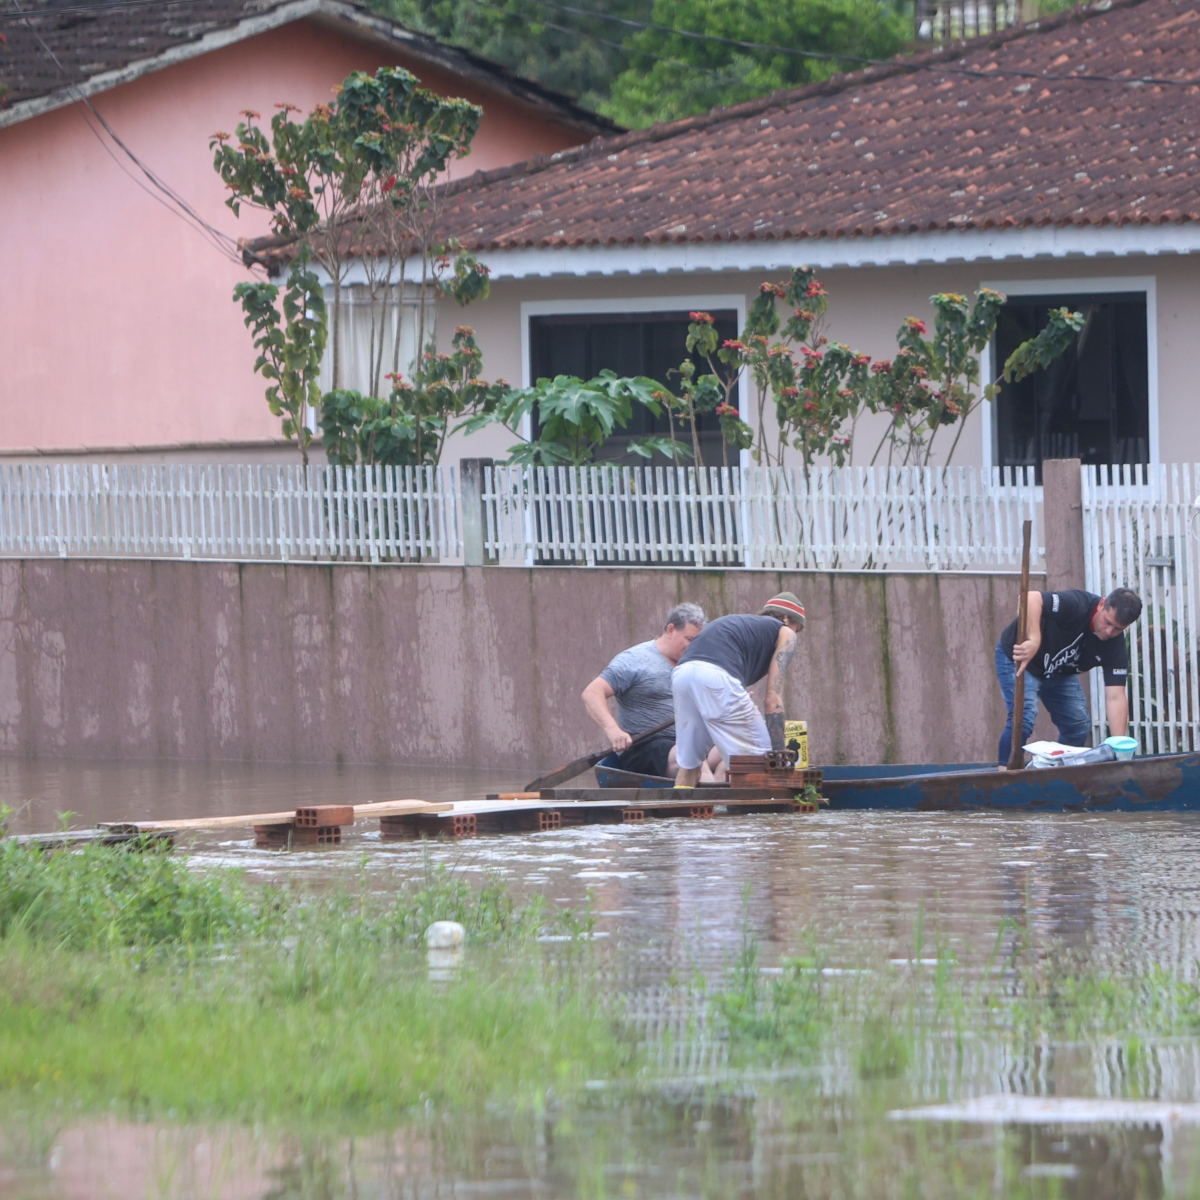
(785, 647)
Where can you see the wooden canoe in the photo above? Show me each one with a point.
(1155, 783)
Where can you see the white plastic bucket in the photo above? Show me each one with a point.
(1124, 747)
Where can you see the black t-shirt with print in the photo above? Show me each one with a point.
(1069, 647)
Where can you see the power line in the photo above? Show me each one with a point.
(174, 203)
(595, 37)
(829, 56)
(692, 35)
(76, 9)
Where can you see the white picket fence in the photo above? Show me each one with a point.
(238, 512)
(848, 518)
(1140, 531)
(960, 518)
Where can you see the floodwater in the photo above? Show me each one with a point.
(673, 900)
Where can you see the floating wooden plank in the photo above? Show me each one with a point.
(108, 835)
(475, 817)
(362, 812)
(664, 797)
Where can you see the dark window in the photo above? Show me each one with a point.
(1091, 403)
(652, 344)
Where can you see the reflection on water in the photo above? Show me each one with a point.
(673, 898)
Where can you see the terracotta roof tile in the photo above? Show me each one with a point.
(972, 138)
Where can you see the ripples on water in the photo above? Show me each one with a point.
(674, 899)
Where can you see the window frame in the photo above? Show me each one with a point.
(1057, 286)
(582, 307)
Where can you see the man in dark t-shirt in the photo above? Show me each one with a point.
(712, 706)
(1069, 632)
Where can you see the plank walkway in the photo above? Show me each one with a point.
(553, 808)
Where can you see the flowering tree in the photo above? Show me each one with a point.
(819, 389)
(355, 179)
(410, 425)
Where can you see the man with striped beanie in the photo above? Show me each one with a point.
(712, 706)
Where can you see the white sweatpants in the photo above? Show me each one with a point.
(712, 708)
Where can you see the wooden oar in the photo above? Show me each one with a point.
(554, 778)
(1016, 759)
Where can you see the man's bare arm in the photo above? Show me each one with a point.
(595, 699)
(773, 714)
(1116, 710)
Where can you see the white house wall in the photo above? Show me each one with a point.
(867, 306)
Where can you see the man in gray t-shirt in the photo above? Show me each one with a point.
(639, 679)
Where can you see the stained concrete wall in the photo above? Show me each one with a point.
(457, 666)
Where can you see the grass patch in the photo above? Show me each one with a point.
(128, 981)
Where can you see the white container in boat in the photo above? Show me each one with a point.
(1123, 747)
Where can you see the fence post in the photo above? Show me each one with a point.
(471, 473)
(1062, 518)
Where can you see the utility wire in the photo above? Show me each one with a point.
(173, 202)
(739, 43)
(632, 23)
(716, 72)
(829, 56)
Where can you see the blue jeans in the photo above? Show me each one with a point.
(1062, 695)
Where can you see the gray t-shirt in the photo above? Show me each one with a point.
(641, 679)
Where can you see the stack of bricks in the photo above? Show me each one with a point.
(776, 768)
(319, 825)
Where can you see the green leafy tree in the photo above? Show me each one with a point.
(409, 427)
(574, 53)
(289, 349)
(819, 390)
(575, 418)
(672, 75)
(355, 179)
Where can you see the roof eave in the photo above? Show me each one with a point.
(285, 14)
(331, 13)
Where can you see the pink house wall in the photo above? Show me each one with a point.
(117, 326)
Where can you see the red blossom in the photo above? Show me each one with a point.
(701, 318)
(771, 289)
(389, 183)
(880, 366)
(251, 115)
(810, 406)
(734, 345)
(915, 324)
(861, 360)
(815, 289)
(285, 107)
(727, 410)
(464, 331)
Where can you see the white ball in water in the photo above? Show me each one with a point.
(445, 935)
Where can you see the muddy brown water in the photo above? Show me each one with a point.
(671, 898)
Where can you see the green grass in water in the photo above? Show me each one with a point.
(127, 980)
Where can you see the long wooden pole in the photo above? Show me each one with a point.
(1016, 759)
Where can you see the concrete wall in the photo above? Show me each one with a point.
(117, 323)
(472, 667)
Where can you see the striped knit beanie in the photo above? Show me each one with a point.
(784, 603)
